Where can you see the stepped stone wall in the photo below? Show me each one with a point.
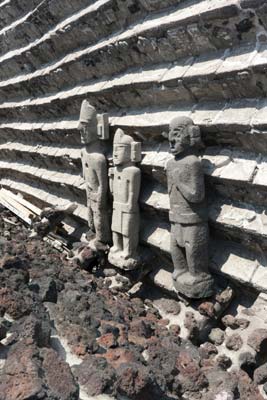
(143, 62)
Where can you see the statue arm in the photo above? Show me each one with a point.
(102, 176)
(111, 178)
(134, 190)
(191, 183)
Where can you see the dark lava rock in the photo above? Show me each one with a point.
(243, 323)
(33, 328)
(247, 361)
(230, 321)
(30, 373)
(58, 377)
(234, 342)
(3, 330)
(46, 287)
(108, 340)
(171, 306)
(96, 375)
(191, 378)
(216, 336)
(16, 304)
(257, 338)
(207, 350)
(135, 382)
(223, 362)
(260, 374)
(246, 388)
(207, 308)
(191, 325)
(220, 381)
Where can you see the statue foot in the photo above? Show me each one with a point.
(114, 250)
(178, 272)
(118, 260)
(194, 287)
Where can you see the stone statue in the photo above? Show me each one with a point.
(125, 180)
(188, 211)
(95, 174)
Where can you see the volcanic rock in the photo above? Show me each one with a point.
(96, 375)
(31, 373)
(234, 342)
(216, 336)
(257, 339)
(260, 374)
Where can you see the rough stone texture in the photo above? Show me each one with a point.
(188, 211)
(217, 336)
(30, 373)
(144, 62)
(234, 342)
(120, 344)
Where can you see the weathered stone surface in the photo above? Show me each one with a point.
(3, 330)
(217, 336)
(29, 372)
(33, 328)
(233, 342)
(260, 375)
(257, 339)
(46, 287)
(101, 377)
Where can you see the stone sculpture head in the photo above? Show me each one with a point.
(183, 134)
(122, 148)
(88, 123)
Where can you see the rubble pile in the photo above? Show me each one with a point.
(124, 345)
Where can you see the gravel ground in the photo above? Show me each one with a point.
(66, 336)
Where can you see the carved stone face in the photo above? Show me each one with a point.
(121, 154)
(88, 133)
(179, 138)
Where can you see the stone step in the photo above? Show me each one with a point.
(189, 32)
(241, 222)
(43, 194)
(76, 25)
(227, 258)
(52, 132)
(13, 10)
(260, 8)
(56, 176)
(240, 124)
(237, 123)
(220, 165)
(217, 76)
(230, 260)
(236, 221)
(15, 39)
(223, 167)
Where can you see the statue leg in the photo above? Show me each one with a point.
(102, 226)
(177, 252)
(90, 218)
(196, 245)
(130, 245)
(117, 243)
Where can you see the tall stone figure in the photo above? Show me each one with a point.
(188, 211)
(95, 174)
(125, 180)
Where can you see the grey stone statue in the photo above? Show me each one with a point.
(125, 180)
(95, 174)
(188, 211)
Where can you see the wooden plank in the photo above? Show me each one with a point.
(22, 201)
(15, 210)
(16, 204)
